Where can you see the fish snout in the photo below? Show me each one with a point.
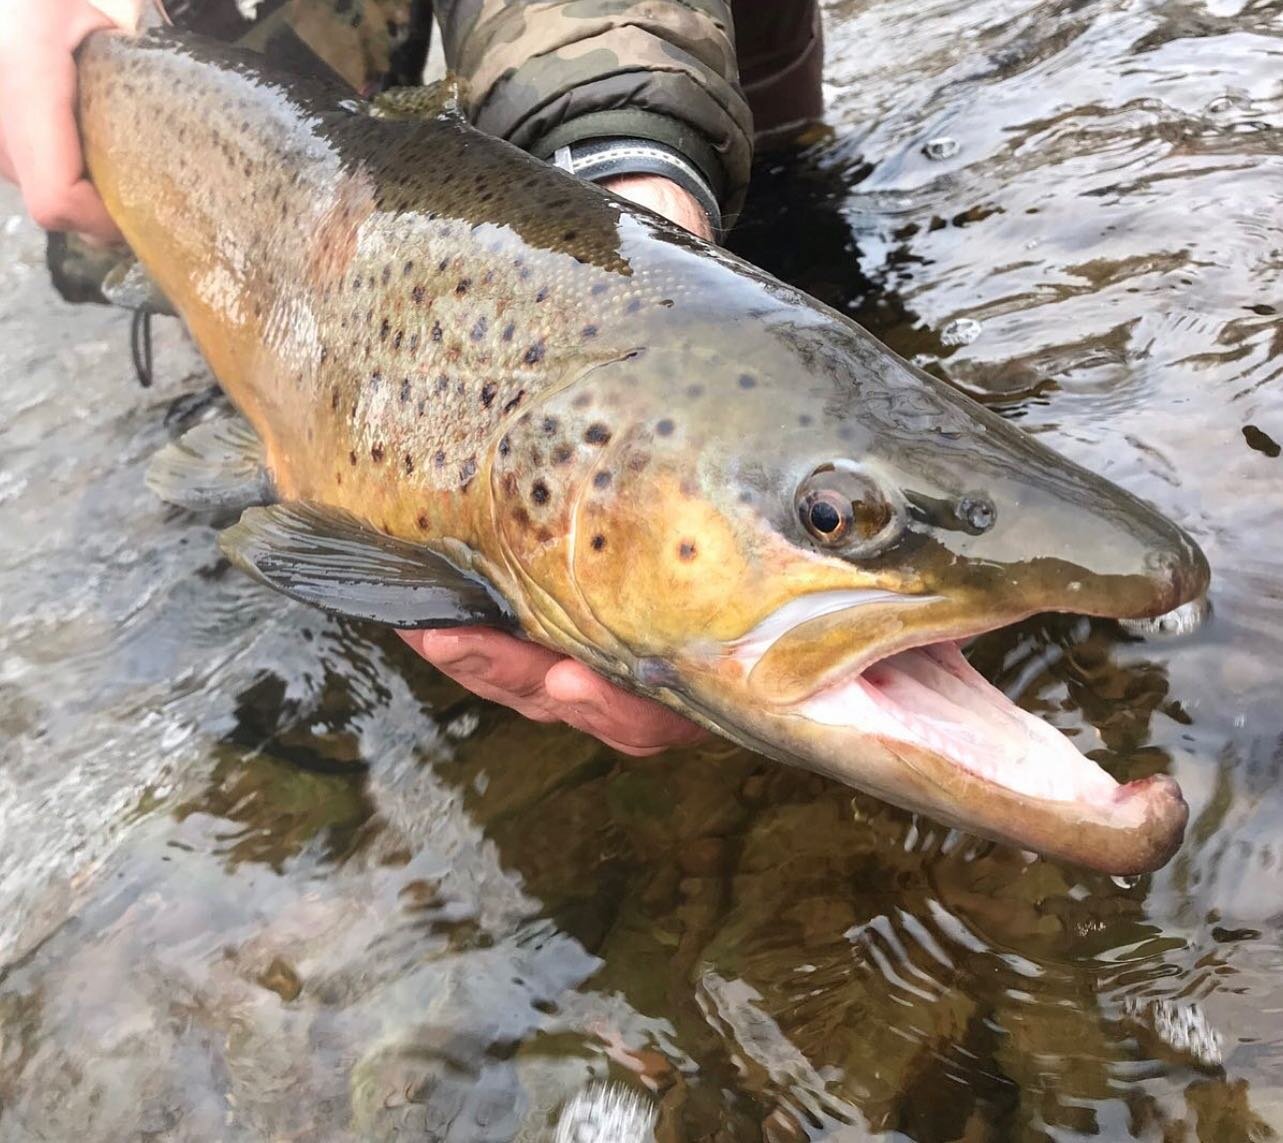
(1179, 574)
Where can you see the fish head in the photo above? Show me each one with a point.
(789, 537)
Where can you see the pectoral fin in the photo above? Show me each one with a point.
(216, 465)
(331, 560)
(130, 287)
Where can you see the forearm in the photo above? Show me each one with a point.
(573, 80)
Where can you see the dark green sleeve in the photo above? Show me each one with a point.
(553, 74)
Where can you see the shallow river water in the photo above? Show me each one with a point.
(263, 875)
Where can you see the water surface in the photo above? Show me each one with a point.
(264, 875)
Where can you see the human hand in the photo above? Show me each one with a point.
(665, 197)
(39, 140)
(548, 687)
(539, 683)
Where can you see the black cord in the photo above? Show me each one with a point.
(140, 347)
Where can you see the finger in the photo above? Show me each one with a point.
(627, 722)
(38, 88)
(491, 664)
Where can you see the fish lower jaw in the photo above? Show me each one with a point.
(931, 699)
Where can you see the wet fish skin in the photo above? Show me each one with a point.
(607, 420)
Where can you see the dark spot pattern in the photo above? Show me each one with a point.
(686, 550)
(602, 480)
(488, 391)
(747, 381)
(597, 434)
(376, 453)
(539, 492)
(598, 542)
(665, 428)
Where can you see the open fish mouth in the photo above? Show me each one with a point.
(931, 698)
(951, 744)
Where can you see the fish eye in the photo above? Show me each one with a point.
(844, 507)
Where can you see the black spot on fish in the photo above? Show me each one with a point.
(488, 391)
(1260, 441)
(325, 354)
(414, 342)
(356, 281)
(386, 275)
(376, 453)
(846, 433)
(463, 286)
(467, 470)
(479, 330)
(515, 401)
(539, 492)
(508, 331)
(376, 379)
(665, 428)
(550, 425)
(405, 390)
(396, 339)
(747, 382)
(334, 398)
(385, 328)
(634, 304)
(541, 294)
(598, 542)
(439, 458)
(597, 289)
(352, 458)
(534, 354)
(588, 331)
(505, 446)
(442, 265)
(407, 269)
(597, 434)
(423, 521)
(436, 331)
(805, 420)
(562, 453)
(443, 383)
(686, 550)
(601, 480)
(418, 294)
(408, 461)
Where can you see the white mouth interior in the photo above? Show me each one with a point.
(930, 697)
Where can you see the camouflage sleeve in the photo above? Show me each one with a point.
(555, 73)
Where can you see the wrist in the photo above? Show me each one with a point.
(650, 174)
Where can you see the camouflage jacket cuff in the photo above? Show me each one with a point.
(556, 74)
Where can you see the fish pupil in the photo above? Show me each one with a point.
(825, 518)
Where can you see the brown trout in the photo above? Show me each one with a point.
(481, 391)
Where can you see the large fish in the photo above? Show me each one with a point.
(481, 391)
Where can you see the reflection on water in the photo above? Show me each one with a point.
(265, 876)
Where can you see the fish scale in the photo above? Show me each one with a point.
(482, 391)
